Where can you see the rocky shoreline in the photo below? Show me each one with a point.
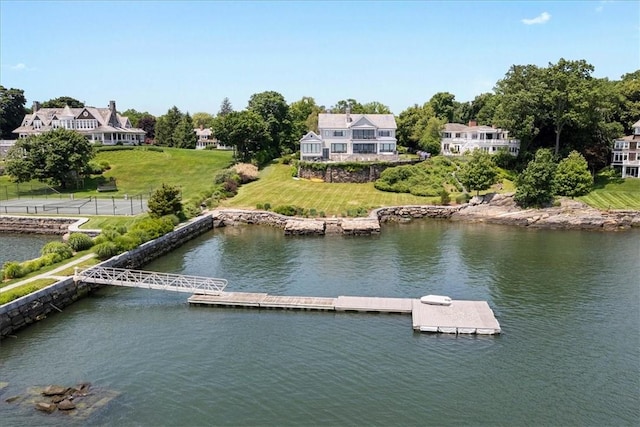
(492, 209)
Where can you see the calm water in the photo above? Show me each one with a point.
(22, 247)
(568, 303)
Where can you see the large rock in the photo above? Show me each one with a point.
(66, 405)
(46, 406)
(304, 227)
(54, 390)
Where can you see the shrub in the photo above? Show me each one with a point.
(79, 241)
(50, 259)
(165, 201)
(260, 206)
(58, 248)
(32, 265)
(463, 198)
(126, 242)
(246, 171)
(12, 270)
(287, 210)
(267, 206)
(445, 199)
(105, 250)
(226, 175)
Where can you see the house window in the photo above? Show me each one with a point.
(387, 148)
(446, 135)
(445, 147)
(364, 134)
(619, 157)
(621, 145)
(458, 134)
(489, 136)
(338, 148)
(338, 133)
(364, 148)
(384, 133)
(310, 148)
(474, 135)
(37, 124)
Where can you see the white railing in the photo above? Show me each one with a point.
(150, 280)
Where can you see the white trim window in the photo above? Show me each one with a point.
(384, 133)
(621, 145)
(620, 157)
(339, 148)
(308, 148)
(338, 133)
(387, 147)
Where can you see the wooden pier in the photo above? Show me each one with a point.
(461, 317)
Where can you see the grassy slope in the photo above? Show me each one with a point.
(277, 187)
(616, 194)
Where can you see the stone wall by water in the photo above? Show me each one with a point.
(38, 305)
(35, 224)
(352, 172)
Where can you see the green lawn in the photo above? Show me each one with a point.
(277, 187)
(614, 194)
(140, 171)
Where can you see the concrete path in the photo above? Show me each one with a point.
(49, 274)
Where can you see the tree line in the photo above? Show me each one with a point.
(561, 106)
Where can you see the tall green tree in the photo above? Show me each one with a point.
(202, 119)
(148, 124)
(431, 136)
(572, 177)
(61, 102)
(248, 133)
(444, 106)
(479, 173)
(341, 106)
(375, 107)
(134, 116)
(166, 200)
(12, 111)
(274, 110)
(184, 135)
(534, 186)
(629, 89)
(57, 157)
(225, 107)
(407, 122)
(166, 126)
(304, 117)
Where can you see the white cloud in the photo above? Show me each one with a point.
(540, 19)
(19, 67)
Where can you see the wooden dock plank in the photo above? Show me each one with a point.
(231, 299)
(302, 303)
(373, 304)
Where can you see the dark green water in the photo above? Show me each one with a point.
(22, 247)
(568, 304)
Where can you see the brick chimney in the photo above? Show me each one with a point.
(473, 123)
(36, 106)
(348, 113)
(112, 106)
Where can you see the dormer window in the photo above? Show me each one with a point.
(384, 133)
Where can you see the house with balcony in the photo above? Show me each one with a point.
(351, 137)
(99, 125)
(458, 139)
(626, 154)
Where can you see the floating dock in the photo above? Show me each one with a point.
(461, 317)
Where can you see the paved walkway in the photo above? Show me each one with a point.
(49, 274)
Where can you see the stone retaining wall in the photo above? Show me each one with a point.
(337, 172)
(38, 305)
(35, 224)
(321, 226)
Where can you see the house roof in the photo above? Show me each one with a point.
(636, 124)
(102, 115)
(339, 121)
(459, 127)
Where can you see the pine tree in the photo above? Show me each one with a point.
(184, 135)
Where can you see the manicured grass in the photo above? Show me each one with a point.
(614, 194)
(99, 221)
(25, 289)
(277, 187)
(141, 171)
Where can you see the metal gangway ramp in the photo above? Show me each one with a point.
(150, 280)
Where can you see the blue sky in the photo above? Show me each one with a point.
(152, 55)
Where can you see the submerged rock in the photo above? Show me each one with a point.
(46, 406)
(66, 405)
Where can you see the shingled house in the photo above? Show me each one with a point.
(626, 153)
(99, 125)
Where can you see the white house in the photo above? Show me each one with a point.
(351, 137)
(99, 125)
(205, 138)
(458, 139)
(626, 153)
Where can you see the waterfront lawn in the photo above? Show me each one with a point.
(141, 171)
(277, 187)
(101, 221)
(614, 193)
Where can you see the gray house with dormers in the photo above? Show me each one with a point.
(351, 137)
(98, 125)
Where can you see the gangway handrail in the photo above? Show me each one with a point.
(150, 280)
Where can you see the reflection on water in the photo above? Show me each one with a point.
(568, 304)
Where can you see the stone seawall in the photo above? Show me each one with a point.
(322, 226)
(352, 172)
(38, 305)
(35, 224)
